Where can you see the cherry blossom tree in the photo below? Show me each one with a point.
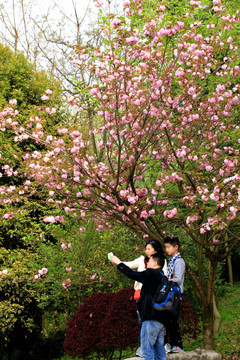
(164, 155)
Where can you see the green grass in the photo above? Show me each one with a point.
(228, 341)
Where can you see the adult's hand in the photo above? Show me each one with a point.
(115, 260)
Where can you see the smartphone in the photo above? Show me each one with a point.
(110, 255)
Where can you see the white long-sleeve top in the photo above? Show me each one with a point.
(140, 266)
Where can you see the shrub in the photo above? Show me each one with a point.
(46, 348)
(107, 322)
(189, 320)
(104, 323)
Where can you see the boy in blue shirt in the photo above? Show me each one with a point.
(175, 272)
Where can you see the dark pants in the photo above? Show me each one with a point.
(173, 335)
(139, 327)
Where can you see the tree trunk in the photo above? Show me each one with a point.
(205, 293)
(208, 321)
(217, 319)
(230, 272)
(229, 262)
(208, 306)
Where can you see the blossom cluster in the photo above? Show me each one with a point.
(41, 272)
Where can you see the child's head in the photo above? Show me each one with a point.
(171, 245)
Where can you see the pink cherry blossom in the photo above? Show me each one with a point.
(170, 213)
(44, 271)
(191, 219)
(44, 97)
(8, 216)
(66, 283)
(87, 191)
(63, 246)
(93, 277)
(49, 219)
(195, 3)
(132, 199)
(13, 102)
(41, 272)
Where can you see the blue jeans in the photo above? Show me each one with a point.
(152, 340)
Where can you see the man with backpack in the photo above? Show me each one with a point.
(153, 329)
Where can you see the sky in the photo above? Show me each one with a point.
(55, 11)
(49, 23)
(52, 16)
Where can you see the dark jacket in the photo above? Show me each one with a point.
(151, 279)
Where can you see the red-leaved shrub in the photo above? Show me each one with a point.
(189, 320)
(104, 323)
(108, 322)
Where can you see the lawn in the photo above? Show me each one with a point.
(228, 341)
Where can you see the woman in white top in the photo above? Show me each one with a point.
(151, 247)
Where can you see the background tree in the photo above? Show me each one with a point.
(20, 80)
(20, 318)
(20, 237)
(47, 34)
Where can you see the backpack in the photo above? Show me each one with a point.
(167, 297)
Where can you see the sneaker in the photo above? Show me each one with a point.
(167, 348)
(176, 349)
(139, 352)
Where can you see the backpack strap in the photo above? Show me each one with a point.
(161, 272)
(173, 284)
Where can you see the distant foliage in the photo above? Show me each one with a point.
(104, 323)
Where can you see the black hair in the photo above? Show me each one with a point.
(158, 259)
(157, 247)
(174, 241)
